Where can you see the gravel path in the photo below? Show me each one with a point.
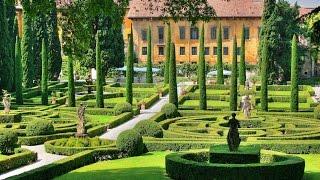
(43, 159)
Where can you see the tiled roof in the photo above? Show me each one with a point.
(223, 8)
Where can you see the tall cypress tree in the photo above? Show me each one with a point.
(220, 79)
(27, 51)
(167, 63)
(294, 76)
(44, 76)
(5, 51)
(149, 78)
(173, 93)
(130, 77)
(234, 75)
(264, 76)
(54, 46)
(242, 68)
(15, 32)
(11, 14)
(202, 72)
(99, 83)
(71, 88)
(18, 72)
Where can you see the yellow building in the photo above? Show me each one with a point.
(231, 14)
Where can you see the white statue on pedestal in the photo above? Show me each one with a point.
(6, 101)
(246, 106)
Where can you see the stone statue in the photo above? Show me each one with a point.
(233, 134)
(6, 101)
(89, 82)
(81, 127)
(246, 106)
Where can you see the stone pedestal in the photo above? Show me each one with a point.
(244, 155)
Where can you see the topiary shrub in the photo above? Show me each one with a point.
(170, 110)
(8, 141)
(130, 142)
(39, 127)
(149, 128)
(121, 108)
(317, 112)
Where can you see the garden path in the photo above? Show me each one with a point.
(43, 159)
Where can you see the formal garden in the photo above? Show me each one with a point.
(57, 121)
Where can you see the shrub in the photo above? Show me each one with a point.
(39, 127)
(170, 110)
(8, 141)
(149, 128)
(121, 108)
(130, 142)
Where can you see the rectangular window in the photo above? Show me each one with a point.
(226, 32)
(161, 51)
(206, 51)
(161, 34)
(194, 33)
(182, 32)
(215, 51)
(238, 51)
(194, 50)
(225, 51)
(247, 33)
(144, 50)
(214, 32)
(182, 50)
(144, 34)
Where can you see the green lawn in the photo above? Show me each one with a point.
(152, 166)
(215, 92)
(2, 157)
(284, 105)
(212, 103)
(114, 100)
(100, 118)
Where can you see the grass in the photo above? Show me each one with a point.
(212, 103)
(215, 92)
(100, 118)
(284, 105)
(152, 166)
(3, 157)
(114, 100)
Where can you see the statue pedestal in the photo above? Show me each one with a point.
(244, 155)
(81, 135)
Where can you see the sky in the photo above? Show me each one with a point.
(307, 3)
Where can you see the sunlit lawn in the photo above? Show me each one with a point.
(211, 103)
(100, 118)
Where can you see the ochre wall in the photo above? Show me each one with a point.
(235, 25)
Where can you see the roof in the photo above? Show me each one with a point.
(223, 8)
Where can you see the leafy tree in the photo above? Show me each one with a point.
(294, 105)
(99, 83)
(71, 88)
(18, 72)
(173, 94)
(44, 77)
(264, 76)
(220, 79)
(129, 75)
(202, 73)
(149, 78)
(167, 63)
(242, 68)
(234, 75)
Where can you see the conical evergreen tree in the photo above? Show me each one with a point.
(11, 14)
(18, 72)
(27, 52)
(71, 88)
(242, 68)
(294, 76)
(99, 83)
(44, 76)
(54, 46)
(167, 63)
(220, 79)
(202, 73)
(173, 93)
(264, 76)
(130, 77)
(234, 75)
(149, 78)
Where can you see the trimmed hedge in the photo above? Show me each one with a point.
(70, 163)
(21, 158)
(195, 166)
(39, 127)
(170, 110)
(35, 140)
(10, 118)
(120, 119)
(122, 108)
(130, 142)
(149, 128)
